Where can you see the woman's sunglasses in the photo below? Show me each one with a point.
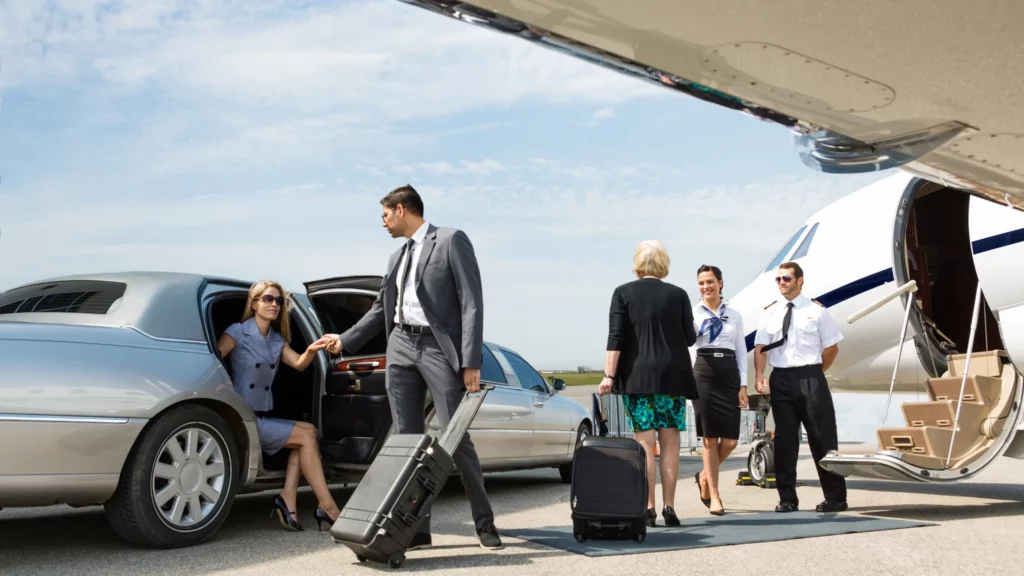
(267, 299)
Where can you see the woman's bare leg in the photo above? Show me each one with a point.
(290, 492)
(304, 438)
(646, 439)
(711, 463)
(725, 447)
(668, 440)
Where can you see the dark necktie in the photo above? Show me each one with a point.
(785, 329)
(405, 277)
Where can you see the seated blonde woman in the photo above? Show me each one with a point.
(259, 343)
(650, 330)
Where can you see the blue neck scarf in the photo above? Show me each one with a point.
(711, 325)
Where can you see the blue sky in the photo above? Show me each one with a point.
(255, 139)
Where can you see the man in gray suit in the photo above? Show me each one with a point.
(431, 306)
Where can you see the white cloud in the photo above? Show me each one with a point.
(602, 114)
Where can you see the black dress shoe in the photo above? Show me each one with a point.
(831, 506)
(489, 537)
(787, 507)
(420, 541)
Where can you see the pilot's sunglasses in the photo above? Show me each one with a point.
(267, 299)
(781, 279)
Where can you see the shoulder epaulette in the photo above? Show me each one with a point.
(770, 305)
(818, 303)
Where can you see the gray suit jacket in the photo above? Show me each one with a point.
(449, 289)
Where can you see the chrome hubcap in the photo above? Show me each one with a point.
(188, 477)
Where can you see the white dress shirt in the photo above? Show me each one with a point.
(731, 337)
(811, 330)
(411, 308)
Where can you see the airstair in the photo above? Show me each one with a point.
(970, 419)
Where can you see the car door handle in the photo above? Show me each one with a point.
(538, 404)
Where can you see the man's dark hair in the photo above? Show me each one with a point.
(798, 272)
(713, 269)
(407, 196)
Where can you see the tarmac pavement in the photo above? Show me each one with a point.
(979, 524)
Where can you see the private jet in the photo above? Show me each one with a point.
(933, 252)
(916, 275)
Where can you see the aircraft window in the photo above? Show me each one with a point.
(802, 250)
(781, 256)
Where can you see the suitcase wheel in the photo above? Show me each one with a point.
(579, 537)
(640, 538)
(360, 557)
(396, 560)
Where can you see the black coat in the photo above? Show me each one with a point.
(651, 323)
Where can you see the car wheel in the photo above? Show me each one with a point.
(565, 470)
(178, 483)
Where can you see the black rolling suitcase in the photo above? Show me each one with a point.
(609, 490)
(383, 513)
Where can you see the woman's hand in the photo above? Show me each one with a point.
(318, 345)
(605, 387)
(744, 400)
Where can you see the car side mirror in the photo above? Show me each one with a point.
(558, 384)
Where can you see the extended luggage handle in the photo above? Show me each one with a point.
(463, 418)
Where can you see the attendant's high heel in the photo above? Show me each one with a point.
(670, 516)
(285, 516)
(705, 501)
(652, 517)
(321, 516)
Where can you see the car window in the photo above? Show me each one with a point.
(529, 378)
(801, 251)
(781, 256)
(490, 371)
(74, 297)
(339, 311)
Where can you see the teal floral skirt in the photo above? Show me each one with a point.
(652, 412)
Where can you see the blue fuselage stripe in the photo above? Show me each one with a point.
(858, 287)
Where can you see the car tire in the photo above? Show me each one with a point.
(160, 468)
(565, 470)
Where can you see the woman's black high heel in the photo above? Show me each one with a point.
(652, 517)
(321, 517)
(704, 501)
(285, 516)
(670, 516)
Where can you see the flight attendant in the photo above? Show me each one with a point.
(721, 373)
(799, 339)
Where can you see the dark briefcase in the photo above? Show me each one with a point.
(609, 490)
(381, 517)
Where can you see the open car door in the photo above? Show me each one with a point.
(355, 415)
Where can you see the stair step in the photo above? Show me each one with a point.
(987, 363)
(978, 389)
(942, 414)
(925, 441)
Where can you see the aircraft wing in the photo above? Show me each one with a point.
(933, 86)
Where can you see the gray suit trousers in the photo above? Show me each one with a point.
(416, 364)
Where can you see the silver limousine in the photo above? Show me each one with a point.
(112, 393)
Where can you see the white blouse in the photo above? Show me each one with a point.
(722, 328)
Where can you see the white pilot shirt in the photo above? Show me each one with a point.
(411, 308)
(811, 330)
(731, 336)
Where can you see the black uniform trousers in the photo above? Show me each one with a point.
(800, 395)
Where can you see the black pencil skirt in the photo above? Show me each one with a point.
(717, 407)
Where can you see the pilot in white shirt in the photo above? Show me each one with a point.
(411, 312)
(799, 339)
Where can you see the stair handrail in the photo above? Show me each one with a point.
(899, 351)
(908, 287)
(967, 365)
